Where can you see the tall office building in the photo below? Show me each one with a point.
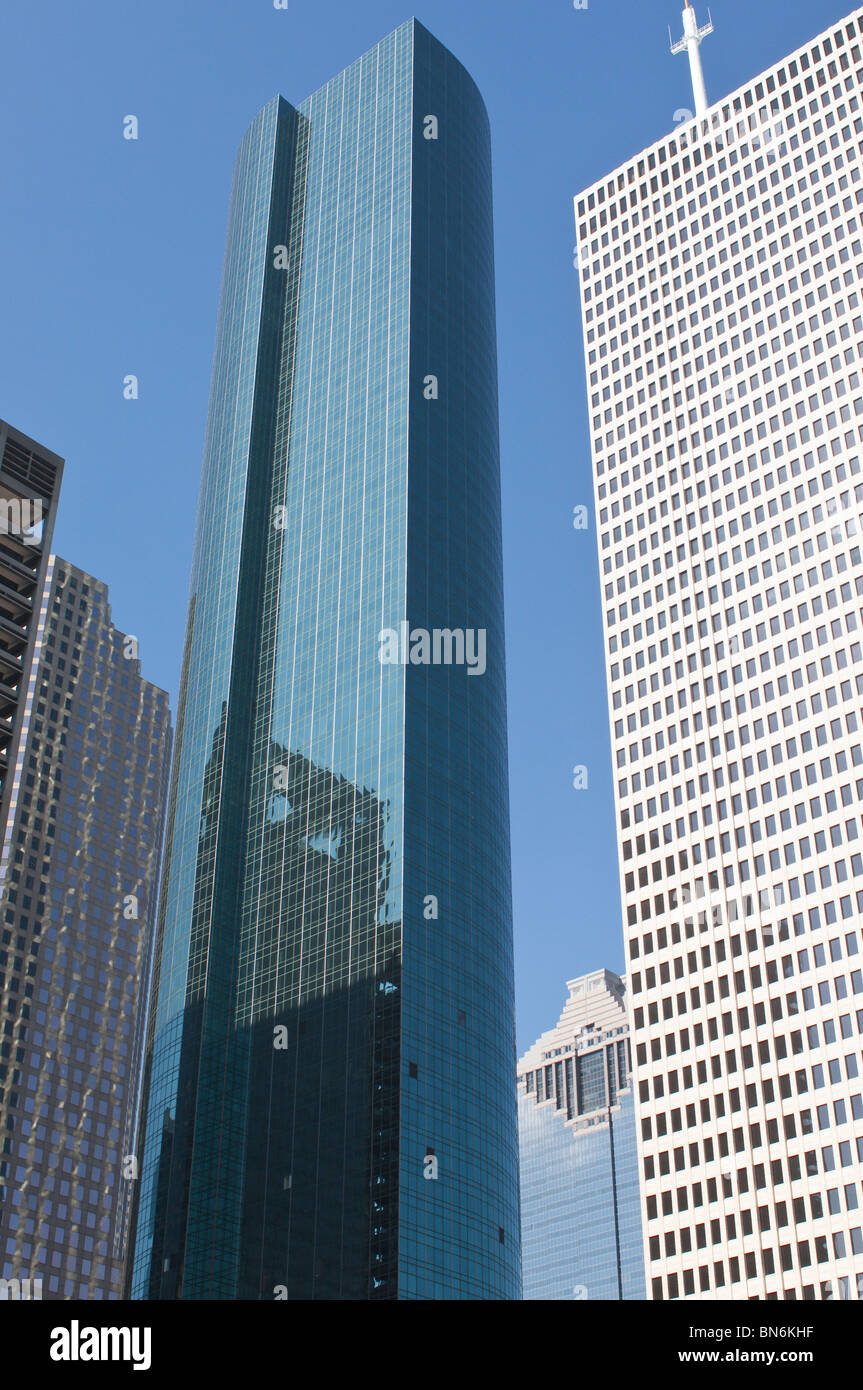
(580, 1199)
(329, 1107)
(30, 478)
(80, 860)
(723, 331)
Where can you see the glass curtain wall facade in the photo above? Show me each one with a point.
(580, 1201)
(329, 1109)
(81, 856)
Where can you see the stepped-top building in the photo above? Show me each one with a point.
(580, 1201)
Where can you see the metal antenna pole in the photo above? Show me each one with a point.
(691, 44)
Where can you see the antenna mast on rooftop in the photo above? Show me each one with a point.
(691, 44)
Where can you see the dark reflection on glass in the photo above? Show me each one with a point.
(320, 1210)
(319, 1080)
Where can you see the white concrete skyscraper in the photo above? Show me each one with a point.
(721, 274)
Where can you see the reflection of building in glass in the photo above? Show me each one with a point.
(333, 994)
(333, 879)
(580, 1204)
(80, 870)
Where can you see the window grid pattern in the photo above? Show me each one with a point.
(75, 916)
(720, 283)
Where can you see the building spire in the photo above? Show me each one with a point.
(691, 43)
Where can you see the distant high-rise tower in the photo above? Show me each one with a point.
(329, 1108)
(722, 305)
(580, 1203)
(80, 862)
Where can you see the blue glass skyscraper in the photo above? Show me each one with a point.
(580, 1203)
(329, 1109)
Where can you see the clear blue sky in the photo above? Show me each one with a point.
(110, 262)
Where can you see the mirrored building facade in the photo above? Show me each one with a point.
(329, 1110)
(580, 1203)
